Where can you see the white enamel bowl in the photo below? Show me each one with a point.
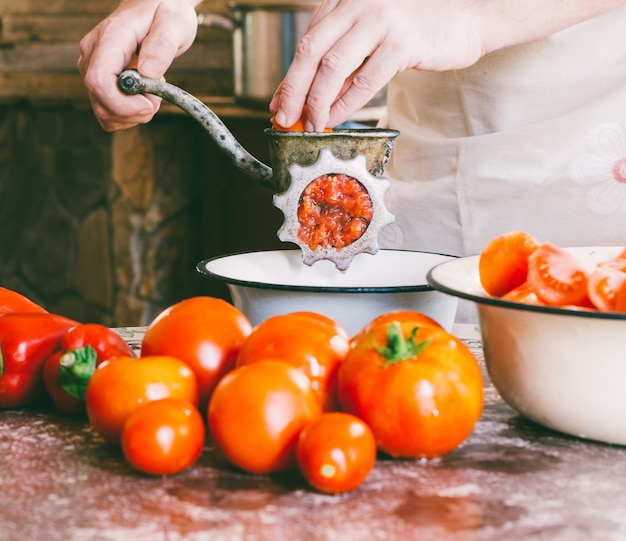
(263, 284)
(564, 369)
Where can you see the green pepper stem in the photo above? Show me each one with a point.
(76, 367)
(398, 348)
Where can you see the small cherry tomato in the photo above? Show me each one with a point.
(121, 385)
(417, 387)
(316, 345)
(205, 332)
(163, 437)
(256, 413)
(298, 126)
(503, 263)
(336, 452)
(557, 277)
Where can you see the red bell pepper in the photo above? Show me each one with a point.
(14, 302)
(26, 341)
(67, 371)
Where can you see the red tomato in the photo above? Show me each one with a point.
(205, 332)
(325, 319)
(396, 315)
(503, 263)
(120, 386)
(336, 452)
(418, 388)
(256, 413)
(557, 277)
(163, 437)
(298, 126)
(605, 284)
(313, 344)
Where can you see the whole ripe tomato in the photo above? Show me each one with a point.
(418, 388)
(336, 452)
(503, 263)
(256, 413)
(312, 343)
(121, 385)
(163, 437)
(396, 315)
(205, 332)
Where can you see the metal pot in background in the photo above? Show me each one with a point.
(265, 35)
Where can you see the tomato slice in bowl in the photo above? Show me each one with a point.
(524, 294)
(557, 277)
(606, 285)
(503, 263)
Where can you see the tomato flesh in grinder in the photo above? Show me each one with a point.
(334, 211)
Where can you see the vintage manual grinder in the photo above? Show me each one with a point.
(329, 186)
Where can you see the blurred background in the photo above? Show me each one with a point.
(108, 227)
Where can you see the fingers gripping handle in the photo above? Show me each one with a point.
(131, 82)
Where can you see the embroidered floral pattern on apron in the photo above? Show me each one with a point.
(604, 169)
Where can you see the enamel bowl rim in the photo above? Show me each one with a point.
(438, 278)
(202, 268)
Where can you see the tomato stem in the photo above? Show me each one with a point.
(399, 349)
(75, 369)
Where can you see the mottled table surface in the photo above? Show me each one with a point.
(511, 480)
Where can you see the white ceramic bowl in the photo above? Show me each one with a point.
(564, 369)
(263, 284)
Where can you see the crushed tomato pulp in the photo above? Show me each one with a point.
(334, 211)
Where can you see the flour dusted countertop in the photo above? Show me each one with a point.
(511, 480)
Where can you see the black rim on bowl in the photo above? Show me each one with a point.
(201, 267)
(495, 301)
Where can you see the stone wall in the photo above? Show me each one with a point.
(97, 226)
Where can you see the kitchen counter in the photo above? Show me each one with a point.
(510, 480)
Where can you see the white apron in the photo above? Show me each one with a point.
(532, 137)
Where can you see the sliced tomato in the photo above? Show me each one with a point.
(503, 263)
(620, 299)
(557, 277)
(605, 284)
(524, 294)
(621, 256)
